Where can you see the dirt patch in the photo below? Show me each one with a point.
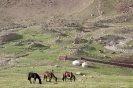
(126, 60)
(4, 61)
(125, 7)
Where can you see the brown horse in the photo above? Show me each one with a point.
(50, 75)
(34, 75)
(68, 74)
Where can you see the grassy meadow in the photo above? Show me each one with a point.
(96, 76)
(38, 59)
(76, 28)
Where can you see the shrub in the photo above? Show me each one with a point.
(9, 37)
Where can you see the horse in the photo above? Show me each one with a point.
(68, 74)
(34, 75)
(50, 75)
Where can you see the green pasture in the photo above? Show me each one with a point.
(41, 43)
(53, 43)
(96, 76)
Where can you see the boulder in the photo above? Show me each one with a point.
(78, 73)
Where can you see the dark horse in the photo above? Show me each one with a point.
(68, 74)
(50, 75)
(34, 75)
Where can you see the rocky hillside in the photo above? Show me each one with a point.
(29, 12)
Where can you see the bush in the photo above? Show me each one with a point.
(9, 37)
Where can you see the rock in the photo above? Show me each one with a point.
(84, 75)
(57, 66)
(78, 73)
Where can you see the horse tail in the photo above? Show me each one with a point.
(29, 76)
(63, 77)
(39, 79)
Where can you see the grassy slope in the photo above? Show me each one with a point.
(54, 46)
(42, 60)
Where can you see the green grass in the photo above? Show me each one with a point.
(40, 59)
(97, 76)
(54, 43)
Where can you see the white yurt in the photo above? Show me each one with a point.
(76, 62)
(85, 64)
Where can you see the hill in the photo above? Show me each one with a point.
(47, 35)
(30, 12)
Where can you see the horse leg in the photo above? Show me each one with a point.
(74, 78)
(34, 80)
(71, 79)
(30, 81)
(50, 79)
(46, 78)
(65, 78)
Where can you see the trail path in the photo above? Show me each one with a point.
(82, 7)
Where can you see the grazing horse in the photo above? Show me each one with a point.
(34, 75)
(50, 75)
(68, 74)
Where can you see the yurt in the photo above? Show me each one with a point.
(76, 62)
(85, 64)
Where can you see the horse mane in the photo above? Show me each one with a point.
(39, 78)
(53, 76)
(74, 78)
